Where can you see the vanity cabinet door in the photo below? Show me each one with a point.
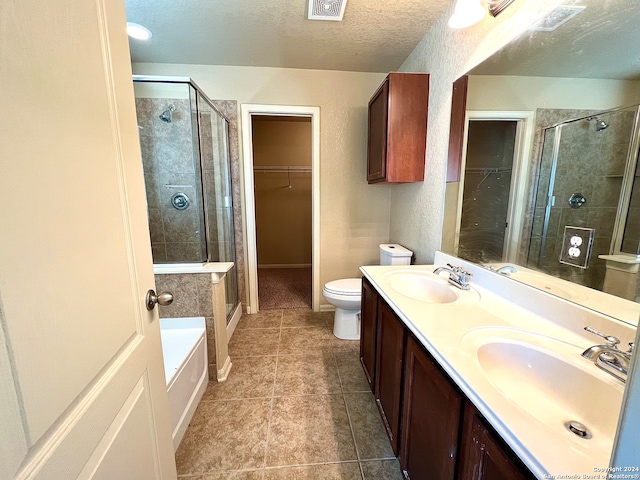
(368, 331)
(432, 416)
(389, 369)
(483, 454)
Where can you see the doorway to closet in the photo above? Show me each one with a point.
(281, 151)
(283, 199)
(491, 194)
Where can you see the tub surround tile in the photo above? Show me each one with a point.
(331, 471)
(185, 295)
(368, 431)
(250, 377)
(251, 342)
(307, 374)
(382, 470)
(225, 435)
(309, 429)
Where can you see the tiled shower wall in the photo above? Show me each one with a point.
(167, 155)
(169, 168)
(590, 163)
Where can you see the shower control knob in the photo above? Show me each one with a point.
(163, 299)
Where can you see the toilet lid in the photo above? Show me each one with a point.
(346, 286)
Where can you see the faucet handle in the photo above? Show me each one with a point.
(459, 270)
(610, 339)
(631, 347)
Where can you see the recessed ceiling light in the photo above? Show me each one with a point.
(138, 32)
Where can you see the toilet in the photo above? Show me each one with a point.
(345, 294)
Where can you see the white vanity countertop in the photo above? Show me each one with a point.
(454, 333)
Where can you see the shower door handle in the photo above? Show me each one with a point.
(163, 299)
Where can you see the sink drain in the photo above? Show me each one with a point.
(578, 429)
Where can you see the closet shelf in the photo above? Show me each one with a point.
(291, 169)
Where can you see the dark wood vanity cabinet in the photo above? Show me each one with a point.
(368, 332)
(432, 415)
(435, 431)
(484, 455)
(397, 135)
(391, 337)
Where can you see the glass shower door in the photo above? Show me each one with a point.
(214, 134)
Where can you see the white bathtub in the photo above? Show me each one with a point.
(184, 347)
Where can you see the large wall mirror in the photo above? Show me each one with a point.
(550, 172)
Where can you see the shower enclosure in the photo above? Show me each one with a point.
(587, 175)
(184, 141)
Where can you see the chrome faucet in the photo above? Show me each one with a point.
(457, 276)
(505, 270)
(608, 357)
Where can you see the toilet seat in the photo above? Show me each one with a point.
(350, 287)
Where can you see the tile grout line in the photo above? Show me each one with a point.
(344, 399)
(273, 397)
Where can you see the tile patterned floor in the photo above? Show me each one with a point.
(296, 406)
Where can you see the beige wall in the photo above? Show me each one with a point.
(530, 93)
(354, 216)
(283, 200)
(417, 210)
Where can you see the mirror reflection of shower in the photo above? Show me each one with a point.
(600, 124)
(167, 115)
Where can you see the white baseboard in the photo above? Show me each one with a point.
(223, 372)
(327, 308)
(284, 265)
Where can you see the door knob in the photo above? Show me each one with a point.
(164, 299)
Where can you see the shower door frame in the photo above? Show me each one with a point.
(520, 172)
(247, 111)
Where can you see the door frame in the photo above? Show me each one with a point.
(521, 161)
(247, 111)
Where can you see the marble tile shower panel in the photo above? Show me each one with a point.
(590, 162)
(168, 159)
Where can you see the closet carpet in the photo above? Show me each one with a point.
(284, 288)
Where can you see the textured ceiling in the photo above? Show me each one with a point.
(375, 36)
(601, 42)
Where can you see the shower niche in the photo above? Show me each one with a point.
(184, 141)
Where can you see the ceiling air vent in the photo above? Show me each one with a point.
(557, 17)
(326, 10)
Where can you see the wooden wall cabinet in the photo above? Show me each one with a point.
(436, 432)
(397, 135)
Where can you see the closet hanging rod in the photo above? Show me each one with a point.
(281, 169)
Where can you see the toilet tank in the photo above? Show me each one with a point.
(394, 254)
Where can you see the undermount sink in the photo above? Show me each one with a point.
(550, 381)
(421, 287)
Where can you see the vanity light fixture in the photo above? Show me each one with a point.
(138, 32)
(469, 12)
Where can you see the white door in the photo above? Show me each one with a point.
(82, 391)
